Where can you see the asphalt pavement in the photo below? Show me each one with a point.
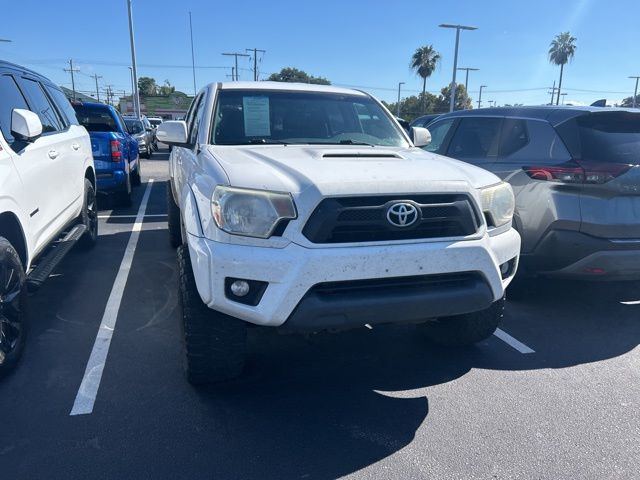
(554, 395)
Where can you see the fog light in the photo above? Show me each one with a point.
(507, 268)
(504, 268)
(240, 288)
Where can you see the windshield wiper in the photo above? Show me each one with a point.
(348, 141)
(265, 141)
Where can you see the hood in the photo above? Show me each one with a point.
(340, 170)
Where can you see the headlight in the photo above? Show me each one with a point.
(498, 203)
(253, 213)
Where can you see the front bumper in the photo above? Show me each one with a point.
(292, 273)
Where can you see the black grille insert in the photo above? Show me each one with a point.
(364, 219)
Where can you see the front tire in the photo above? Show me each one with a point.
(214, 344)
(89, 216)
(13, 300)
(173, 219)
(467, 329)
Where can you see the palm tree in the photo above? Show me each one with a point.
(424, 62)
(561, 51)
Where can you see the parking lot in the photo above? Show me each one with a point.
(553, 395)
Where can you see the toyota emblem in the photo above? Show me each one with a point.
(402, 214)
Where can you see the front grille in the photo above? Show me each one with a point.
(401, 284)
(364, 219)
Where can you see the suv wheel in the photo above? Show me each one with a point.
(13, 296)
(214, 344)
(89, 216)
(173, 219)
(467, 329)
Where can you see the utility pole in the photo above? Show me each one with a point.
(236, 54)
(635, 92)
(398, 104)
(193, 58)
(95, 76)
(553, 92)
(134, 71)
(255, 61)
(452, 103)
(73, 82)
(466, 83)
(563, 95)
(480, 96)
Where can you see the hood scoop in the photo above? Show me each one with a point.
(361, 155)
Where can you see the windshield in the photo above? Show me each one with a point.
(96, 119)
(134, 126)
(257, 116)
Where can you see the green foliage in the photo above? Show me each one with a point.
(412, 107)
(562, 49)
(147, 86)
(424, 61)
(166, 89)
(628, 102)
(290, 74)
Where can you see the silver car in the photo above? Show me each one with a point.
(576, 176)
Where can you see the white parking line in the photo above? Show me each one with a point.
(148, 215)
(88, 390)
(512, 342)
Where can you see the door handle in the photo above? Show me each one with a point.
(75, 146)
(53, 154)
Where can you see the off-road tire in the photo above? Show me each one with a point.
(89, 217)
(13, 292)
(173, 219)
(214, 344)
(467, 329)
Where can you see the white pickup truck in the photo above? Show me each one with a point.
(47, 194)
(308, 208)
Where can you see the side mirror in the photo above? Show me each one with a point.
(173, 133)
(421, 137)
(25, 125)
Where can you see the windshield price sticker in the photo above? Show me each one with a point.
(256, 116)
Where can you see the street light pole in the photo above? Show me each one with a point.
(466, 84)
(480, 96)
(398, 104)
(455, 59)
(133, 89)
(134, 71)
(193, 60)
(635, 92)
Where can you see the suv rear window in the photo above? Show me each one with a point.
(95, 119)
(609, 137)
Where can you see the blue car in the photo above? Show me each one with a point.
(115, 151)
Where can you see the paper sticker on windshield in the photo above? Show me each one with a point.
(256, 116)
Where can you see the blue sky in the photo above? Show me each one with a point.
(355, 43)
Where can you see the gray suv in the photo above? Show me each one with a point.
(576, 176)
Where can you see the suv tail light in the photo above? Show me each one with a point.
(116, 154)
(578, 172)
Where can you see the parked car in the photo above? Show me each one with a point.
(576, 175)
(47, 194)
(155, 121)
(115, 151)
(307, 208)
(143, 135)
(425, 120)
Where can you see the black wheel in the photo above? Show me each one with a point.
(13, 299)
(467, 329)
(214, 344)
(89, 216)
(173, 219)
(123, 197)
(136, 178)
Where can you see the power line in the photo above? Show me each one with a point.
(95, 76)
(236, 55)
(255, 60)
(73, 82)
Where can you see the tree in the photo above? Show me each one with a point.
(147, 86)
(628, 102)
(424, 62)
(290, 74)
(166, 89)
(462, 101)
(561, 51)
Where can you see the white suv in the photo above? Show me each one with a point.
(308, 208)
(47, 194)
